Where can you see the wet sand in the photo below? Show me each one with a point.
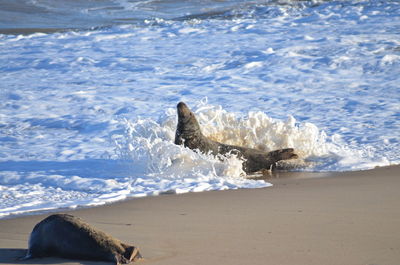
(342, 218)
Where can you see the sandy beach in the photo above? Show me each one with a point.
(347, 218)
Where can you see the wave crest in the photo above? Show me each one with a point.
(150, 144)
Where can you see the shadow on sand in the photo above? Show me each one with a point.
(12, 255)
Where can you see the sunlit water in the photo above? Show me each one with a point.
(88, 115)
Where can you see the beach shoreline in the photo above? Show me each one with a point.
(346, 218)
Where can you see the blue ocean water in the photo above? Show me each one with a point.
(88, 98)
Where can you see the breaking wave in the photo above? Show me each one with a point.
(150, 144)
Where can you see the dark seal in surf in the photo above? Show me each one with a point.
(189, 134)
(66, 236)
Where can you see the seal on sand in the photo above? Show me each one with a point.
(66, 236)
(189, 134)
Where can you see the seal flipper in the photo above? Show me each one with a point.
(131, 254)
(26, 257)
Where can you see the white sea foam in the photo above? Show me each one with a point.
(150, 144)
(322, 78)
(153, 164)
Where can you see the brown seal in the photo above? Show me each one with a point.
(66, 236)
(189, 134)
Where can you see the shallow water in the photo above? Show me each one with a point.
(88, 115)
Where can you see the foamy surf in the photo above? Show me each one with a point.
(149, 163)
(332, 65)
(150, 144)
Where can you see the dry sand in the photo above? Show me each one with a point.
(348, 218)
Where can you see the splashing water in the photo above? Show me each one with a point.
(332, 65)
(150, 145)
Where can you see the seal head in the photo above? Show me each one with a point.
(188, 130)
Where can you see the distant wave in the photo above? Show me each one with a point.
(29, 16)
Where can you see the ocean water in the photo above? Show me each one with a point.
(88, 93)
